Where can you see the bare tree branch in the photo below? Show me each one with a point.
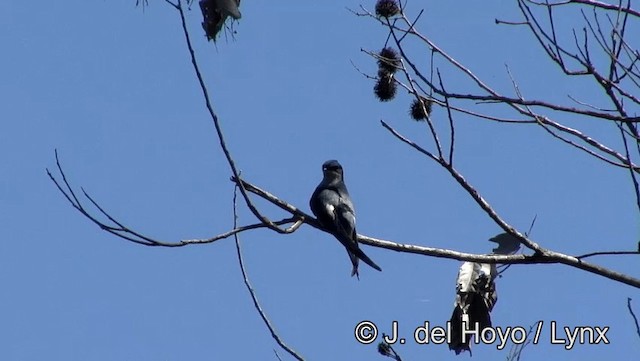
(218, 127)
(635, 319)
(608, 253)
(252, 293)
(541, 254)
(594, 3)
(517, 348)
(521, 105)
(118, 229)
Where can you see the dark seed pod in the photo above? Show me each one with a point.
(418, 108)
(385, 88)
(388, 60)
(387, 8)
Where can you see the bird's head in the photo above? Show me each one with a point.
(332, 169)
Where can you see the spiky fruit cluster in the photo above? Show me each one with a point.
(388, 60)
(387, 8)
(388, 63)
(385, 88)
(418, 108)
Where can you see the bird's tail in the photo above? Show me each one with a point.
(477, 315)
(356, 252)
(368, 260)
(354, 262)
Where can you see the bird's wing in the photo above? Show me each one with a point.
(346, 222)
(334, 210)
(323, 203)
(337, 205)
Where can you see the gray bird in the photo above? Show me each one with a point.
(331, 204)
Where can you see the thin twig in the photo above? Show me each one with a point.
(635, 319)
(218, 127)
(607, 253)
(118, 229)
(634, 179)
(517, 348)
(252, 293)
(452, 128)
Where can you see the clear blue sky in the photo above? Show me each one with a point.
(111, 87)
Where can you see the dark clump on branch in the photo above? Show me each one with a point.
(383, 349)
(385, 88)
(388, 63)
(420, 109)
(386, 350)
(388, 60)
(215, 13)
(387, 8)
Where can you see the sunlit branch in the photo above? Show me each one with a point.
(545, 255)
(597, 4)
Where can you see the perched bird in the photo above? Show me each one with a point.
(331, 204)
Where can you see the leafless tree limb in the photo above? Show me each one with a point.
(277, 356)
(205, 92)
(521, 105)
(118, 229)
(540, 256)
(608, 253)
(252, 293)
(609, 80)
(418, 84)
(516, 349)
(620, 75)
(634, 179)
(594, 3)
(633, 315)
